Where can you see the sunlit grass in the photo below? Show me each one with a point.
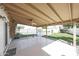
(63, 36)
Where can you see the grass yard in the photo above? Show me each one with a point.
(63, 36)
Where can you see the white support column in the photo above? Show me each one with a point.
(74, 34)
(46, 30)
(36, 31)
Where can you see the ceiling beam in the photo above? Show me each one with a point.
(51, 7)
(15, 11)
(29, 12)
(21, 20)
(32, 6)
(10, 10)
(65, 22)
(12, 13)
(71, 12)
(19, 15)
(12, 18)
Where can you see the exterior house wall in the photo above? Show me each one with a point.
(50, 30)
(53, 29)
(2, 38)
(40, 31)
(2, 32)
(26, 30)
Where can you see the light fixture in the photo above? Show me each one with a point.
(4, 19)
(33, 23)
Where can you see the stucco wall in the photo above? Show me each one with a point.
(2, 38)
(50, 30)
(2, 32)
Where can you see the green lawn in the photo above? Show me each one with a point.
(63, 36)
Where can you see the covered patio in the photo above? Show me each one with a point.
(36, 15)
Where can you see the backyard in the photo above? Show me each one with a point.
(63, 36)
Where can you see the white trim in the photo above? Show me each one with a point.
(74, 34)
(7, 46)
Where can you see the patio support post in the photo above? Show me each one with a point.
(36, 31)
(74, 34)
(46, 31)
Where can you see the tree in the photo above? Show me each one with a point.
(67, 26)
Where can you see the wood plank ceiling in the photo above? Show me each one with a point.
(41, 14)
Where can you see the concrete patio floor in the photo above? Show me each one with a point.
(30, 46)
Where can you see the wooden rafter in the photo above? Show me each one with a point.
(65, 22)
(28, 12)
(21, 20)
(38, 23)
(41, 12)
(38, 15)
(51, 7)
(19, 15)
(71, 12)
(9, 9)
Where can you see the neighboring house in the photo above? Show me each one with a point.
(26, 30)
(40, 31)
(50, 30)
(54, 29)
(71, 31)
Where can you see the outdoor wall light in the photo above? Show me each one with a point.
(4, 19)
